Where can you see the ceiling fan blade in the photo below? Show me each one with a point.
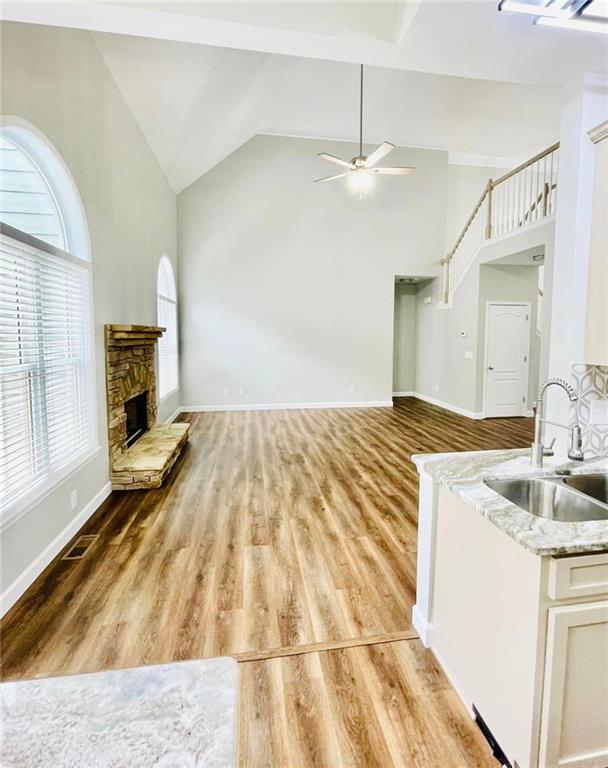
(331, 178)
(379, 153)
(403, 171)
(333, 159)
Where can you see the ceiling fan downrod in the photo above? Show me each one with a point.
(360, 169)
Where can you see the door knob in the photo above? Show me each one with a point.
(490, 368)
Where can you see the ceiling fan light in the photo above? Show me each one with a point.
(360, 181)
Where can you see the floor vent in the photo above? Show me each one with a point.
(80, 547)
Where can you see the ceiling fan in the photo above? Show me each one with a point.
(361, 169)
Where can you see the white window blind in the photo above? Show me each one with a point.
(167, 346)
(46, 423)
(168, 362)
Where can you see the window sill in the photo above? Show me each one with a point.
(23, 505)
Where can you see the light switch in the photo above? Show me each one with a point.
(468, 354)
(428, 299)
(598, 412)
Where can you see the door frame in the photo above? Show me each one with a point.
(526, 374)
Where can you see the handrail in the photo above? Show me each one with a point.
(452, 273)
(527, 164)
(470, 219)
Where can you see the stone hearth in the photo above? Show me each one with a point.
(130, 371)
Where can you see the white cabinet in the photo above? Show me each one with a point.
(574, 726)
(523, 638)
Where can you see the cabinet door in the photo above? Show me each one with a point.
(574, 728)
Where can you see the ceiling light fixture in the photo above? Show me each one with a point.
(361, 170)
(582, 15)
(360, 181)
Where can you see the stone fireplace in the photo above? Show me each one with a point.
(142, 452)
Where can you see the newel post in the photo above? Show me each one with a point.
(546, 193)
(446, 278)
(488, 232)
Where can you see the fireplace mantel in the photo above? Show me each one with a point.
(132, 335)
(130, 371)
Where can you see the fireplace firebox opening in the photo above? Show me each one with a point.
(137, 417)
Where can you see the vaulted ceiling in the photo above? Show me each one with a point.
(197, 104)
(203, 77)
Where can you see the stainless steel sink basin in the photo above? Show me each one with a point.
(592, 485)
(554, 498)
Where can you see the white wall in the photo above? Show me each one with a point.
(586, 105)
(289, 289)
(404, 338)
(596, 320)
(57, 80)
(444, 336)
(442, 370)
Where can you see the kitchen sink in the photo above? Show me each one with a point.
(557, 498)
(592, 485)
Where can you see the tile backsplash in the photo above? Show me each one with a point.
(591, 383)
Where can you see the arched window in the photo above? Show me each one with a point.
(47, 423)
(167, 317)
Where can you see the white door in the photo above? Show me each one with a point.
(507, 353)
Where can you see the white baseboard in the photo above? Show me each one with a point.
(14, 591)
(284, 406)
(173, 416)
(468, 704)
(424, 629)
(448, 406)
(323, 405)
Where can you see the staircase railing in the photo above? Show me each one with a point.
(518, 198)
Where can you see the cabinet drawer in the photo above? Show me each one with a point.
(578, 576)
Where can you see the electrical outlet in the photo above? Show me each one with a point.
(74, 499)
(468, 354)
(242, 391)
(428, 300)
(436, 387)
(225, 391)
(598, 411)
(352, 388)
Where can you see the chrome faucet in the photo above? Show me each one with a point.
(539, 450)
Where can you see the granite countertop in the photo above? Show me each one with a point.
(463, 474)
(180, 715)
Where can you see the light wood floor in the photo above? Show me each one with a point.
(373, 706)
(278, 532)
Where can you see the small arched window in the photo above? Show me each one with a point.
(47, 422)
(168, 362)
